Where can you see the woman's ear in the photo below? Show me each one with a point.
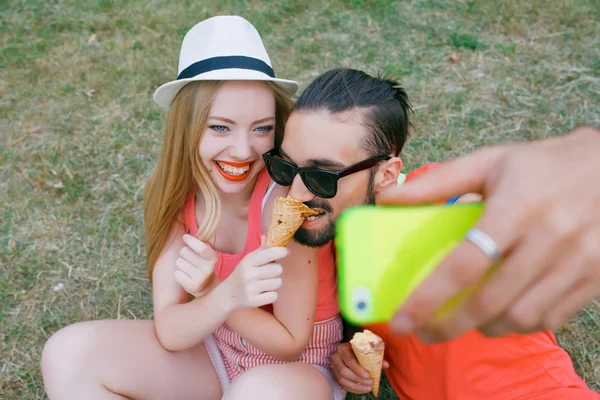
(387, 174)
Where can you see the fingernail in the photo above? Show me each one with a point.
(368, 383)
(402, 324)
(366, 375)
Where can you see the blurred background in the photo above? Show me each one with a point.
(80, 132)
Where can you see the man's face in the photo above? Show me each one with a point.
(331, 142)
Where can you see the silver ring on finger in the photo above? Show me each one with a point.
(485, 243)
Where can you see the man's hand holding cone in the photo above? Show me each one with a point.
(369, 349)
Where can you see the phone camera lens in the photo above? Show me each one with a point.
(361, 300)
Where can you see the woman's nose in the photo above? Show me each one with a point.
(241, 148)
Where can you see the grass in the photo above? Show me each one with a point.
(80, 132)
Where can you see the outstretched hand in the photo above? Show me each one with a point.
(542, 203)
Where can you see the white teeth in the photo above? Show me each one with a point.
(313, 217)
(233, 170)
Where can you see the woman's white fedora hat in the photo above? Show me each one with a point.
(222, 48)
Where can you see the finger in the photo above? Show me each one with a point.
(346, 378)
(269, 285)
(463, 175)
(337, 366)
(184, 280)
(587, 288)
(190, 256)
(265, 298)
(386, 364)
(270, 271)
(579, 295)
(524, 265)
(526, 313)
(464, 267)
(200, 248)
(185, 267)
(353, 387)
(266, 256)
(347, 373)
(350, 361)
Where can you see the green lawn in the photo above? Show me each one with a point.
(80, 131)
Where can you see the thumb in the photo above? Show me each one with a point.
(386, 364)
(457, 177)
(199, 247)
(208, 253)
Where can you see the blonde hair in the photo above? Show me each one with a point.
(180, 170)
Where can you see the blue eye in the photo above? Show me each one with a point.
(219, 128)
(266, 128)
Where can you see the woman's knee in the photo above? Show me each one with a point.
(66, 353)
(277, 381)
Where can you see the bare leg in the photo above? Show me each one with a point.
(114, 359)
(286, 381)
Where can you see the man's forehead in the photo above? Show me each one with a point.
(311, 135)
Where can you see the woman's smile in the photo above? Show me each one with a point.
(233, 171)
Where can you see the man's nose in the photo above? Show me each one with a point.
(241, 149)
(299, 191)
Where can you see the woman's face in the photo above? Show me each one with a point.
(239, 129)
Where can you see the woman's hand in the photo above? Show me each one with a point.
(195, 266)
(255, 280)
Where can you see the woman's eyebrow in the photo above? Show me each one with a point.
(263, 120)
(230, 121)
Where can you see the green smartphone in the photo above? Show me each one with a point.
(385, 252)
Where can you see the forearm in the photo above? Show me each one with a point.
(182, 326)
(264, 331)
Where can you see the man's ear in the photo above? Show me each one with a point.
(387, 174)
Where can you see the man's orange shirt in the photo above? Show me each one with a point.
(477, 367)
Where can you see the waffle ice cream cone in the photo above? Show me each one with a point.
(369, 349)
(287, 216)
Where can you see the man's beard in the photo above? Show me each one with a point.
(320, 237)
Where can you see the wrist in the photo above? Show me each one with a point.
(225, 297)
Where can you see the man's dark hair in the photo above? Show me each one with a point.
(384, 103)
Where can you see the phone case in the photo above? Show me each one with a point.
(384, 253)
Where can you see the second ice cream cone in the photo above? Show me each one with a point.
(369, 349)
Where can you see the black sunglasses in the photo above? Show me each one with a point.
(320, 182)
